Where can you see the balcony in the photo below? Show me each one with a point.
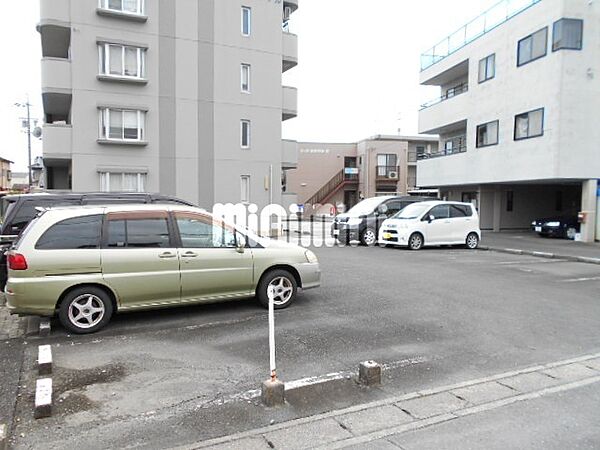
(289, 155)
(56, 40)
(481, 25)
(444, 114)
(453, 145)
(450, 93)
(290, 51)
(57, 107)
(55, 11)
(57, 142)
(387, 174)
(56, 74)
(290, 103)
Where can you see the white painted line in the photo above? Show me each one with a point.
(44, 360)
(43, 398)
(577, 280)
(3, 436)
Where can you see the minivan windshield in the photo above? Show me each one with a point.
(365, 207)
(412, 211)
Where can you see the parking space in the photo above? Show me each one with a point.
(457, 314)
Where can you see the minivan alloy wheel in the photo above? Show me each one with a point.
(86, 311)
(369, 237)
(282, 289)
(415, 242)
(472, 241)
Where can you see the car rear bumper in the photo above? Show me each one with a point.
(310, 275)
(18, 302)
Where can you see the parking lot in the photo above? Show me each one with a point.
(433, 317)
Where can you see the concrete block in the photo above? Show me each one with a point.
(592, 363)
(571, 372)
(273, 393)
(528, 382)
(33, 326)
(3, 437)
(369, 373)
(44, 327)
(43, 398)
(373, 419)
(308, 435)
(432, 405)
(484, 393)
(44, 360)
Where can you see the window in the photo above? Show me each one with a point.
(456, 144)
(245, 78)
(245, 134)
(487, 134)
(567, 34)
(510, 199)
(439, 212)
(122, 124)
(138, 233)
(532, 47)
(460, 211)
(122, 60)
(122, 182)
(198, 231)
(529, 124)
(125, 6)
(245, 188)
(70, 234)
(420, 150)
(246, 21)
(487, 68)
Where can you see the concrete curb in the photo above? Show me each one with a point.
(405, 397)
(3, 437)
(515, 251)
(44, 360)
(43, 398)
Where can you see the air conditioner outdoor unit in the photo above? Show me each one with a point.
(393, 175)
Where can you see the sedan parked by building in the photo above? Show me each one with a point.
(562, 227)
(87, 263)
(432, 223)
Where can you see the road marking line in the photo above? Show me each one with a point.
(577, 280)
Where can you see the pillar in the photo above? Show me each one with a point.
(589, 205)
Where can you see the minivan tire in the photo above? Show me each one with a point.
(368, 237)
(415, 241)
(85, 310)
(472, 241)
(285, 285)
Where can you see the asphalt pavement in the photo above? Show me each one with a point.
(435, 317)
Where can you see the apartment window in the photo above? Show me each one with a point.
(529, 124)
(567, 34)
(245, 188)
(245, 133)
(246, 21)
(122, 182)
(122, 124)
(122, 60)
(125, 6)
(510, 199)
(487, 68)
(245, 78)
(532, 47)
(487, 134)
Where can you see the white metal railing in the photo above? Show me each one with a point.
(484, 23)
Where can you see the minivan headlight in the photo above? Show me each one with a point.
(311, 257)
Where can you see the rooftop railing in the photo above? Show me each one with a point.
(484, 23)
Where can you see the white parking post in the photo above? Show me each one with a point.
(271, 295)
(273, 390)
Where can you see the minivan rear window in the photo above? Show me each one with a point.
(460, 211)
(70, 234)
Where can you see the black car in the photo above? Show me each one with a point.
(362, 222)
(18, 210)
(563, 227)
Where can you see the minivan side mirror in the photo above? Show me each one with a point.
(431, 218)
(382, 209)
(240, 242)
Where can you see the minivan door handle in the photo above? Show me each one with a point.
(189, 255)
(167, 255)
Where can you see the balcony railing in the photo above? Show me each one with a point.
(387, 173)
(484, 23)
(443, 152)
(450, 93)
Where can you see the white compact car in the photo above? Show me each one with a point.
(432, 223)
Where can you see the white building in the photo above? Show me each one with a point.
(517, 113)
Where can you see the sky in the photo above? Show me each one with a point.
(358, 72)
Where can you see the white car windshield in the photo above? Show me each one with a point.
(412, 211)
(365, 207)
